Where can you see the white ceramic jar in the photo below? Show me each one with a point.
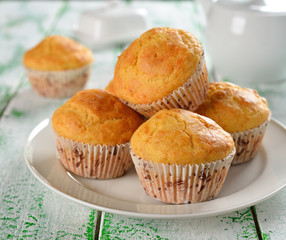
(246, 40)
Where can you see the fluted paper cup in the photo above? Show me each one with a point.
(247, 142)
(58, 84)
(178, 184)
(93, 161)
(188, 96)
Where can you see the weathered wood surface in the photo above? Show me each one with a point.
(30, 210)
(237, 225)
(271, 214)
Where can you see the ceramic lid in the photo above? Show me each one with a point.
(109, 25)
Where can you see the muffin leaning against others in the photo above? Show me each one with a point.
(239, 111)
(92, 132)
(58, 67)
(163, 69)
(181, 156)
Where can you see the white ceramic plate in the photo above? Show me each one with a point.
(245, 185)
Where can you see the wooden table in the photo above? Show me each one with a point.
(29, 210)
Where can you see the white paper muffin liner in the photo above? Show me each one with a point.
(247, 142)
(93, 161)
(188, 96)
(180, 184)
(58, 84)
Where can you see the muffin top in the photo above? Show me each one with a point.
(179, 136)
(56, 53)
(96, 117)
(155, 64)
(234, 108)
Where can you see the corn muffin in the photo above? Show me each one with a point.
(164, 68)
(58, 67)
(239, 111)
(181, 156)
(92, 131)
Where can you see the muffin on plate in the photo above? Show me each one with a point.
(58, 67)
(239, 111)
(163, 69)
(181, 156)
(92, 131)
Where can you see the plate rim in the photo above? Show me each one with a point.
(128, 213)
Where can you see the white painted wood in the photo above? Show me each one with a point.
(27, 207)
(237, 225)
(272, 217)
(271, 214)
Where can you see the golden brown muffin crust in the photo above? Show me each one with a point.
(181, 137)
(155, 64)
(96, 117)
(234, 108)
(57, 53)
